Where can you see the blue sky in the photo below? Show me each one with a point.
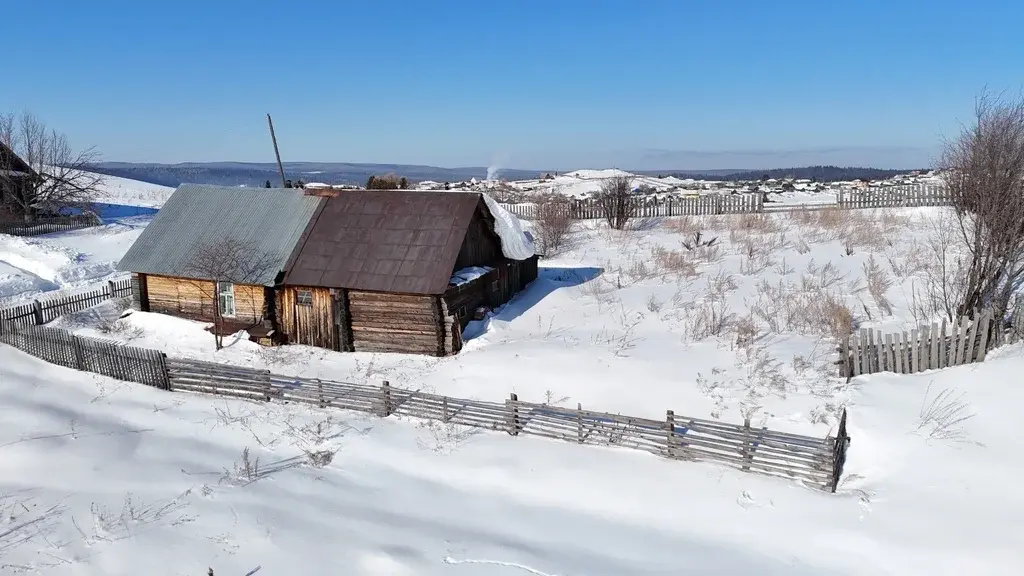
(545, 84)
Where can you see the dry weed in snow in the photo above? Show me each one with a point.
(878, 283)
(444, 437)
(943, 415)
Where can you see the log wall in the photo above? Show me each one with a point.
(194, 299)
(481, 245)
(383, 322)
(311, 325)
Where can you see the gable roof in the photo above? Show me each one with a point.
(270, 220)
(402, 241)
(11, 162)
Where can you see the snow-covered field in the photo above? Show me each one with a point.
(133, 193)
(64, 262)
(105, 477)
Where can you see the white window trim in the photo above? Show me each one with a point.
(221, 293)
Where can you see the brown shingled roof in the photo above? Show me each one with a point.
(401, 241)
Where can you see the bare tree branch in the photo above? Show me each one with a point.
(227, 260)
(615, 202)
(984, 171)
(64, 179)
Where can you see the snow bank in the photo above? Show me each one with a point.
(515, 244)
(467, 275)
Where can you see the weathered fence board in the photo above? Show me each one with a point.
(894, 197)
(924, 348)
(108, 358)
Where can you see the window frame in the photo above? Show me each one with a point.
(225, 294)
(300, 297)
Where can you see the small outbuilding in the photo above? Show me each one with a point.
(401, 270)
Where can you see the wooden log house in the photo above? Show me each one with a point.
(397, 271)
(349, 270)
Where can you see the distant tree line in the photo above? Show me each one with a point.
(388, 182)
(815, 173)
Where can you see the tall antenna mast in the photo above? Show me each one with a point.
(280, 167)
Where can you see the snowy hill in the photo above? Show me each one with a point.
(133, 192)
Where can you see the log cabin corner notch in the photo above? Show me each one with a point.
(262, 225)
(400, 271)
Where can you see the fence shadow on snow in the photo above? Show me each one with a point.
(815, 462)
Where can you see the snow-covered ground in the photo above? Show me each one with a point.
(119, 478)
(31, 267)
(133, 193)
(104, 477)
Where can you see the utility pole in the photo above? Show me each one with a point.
(280, 167)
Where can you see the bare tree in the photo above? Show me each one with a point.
(615, 202)
(215, 264)
(552, 224)
(62, 176)
(984, 171)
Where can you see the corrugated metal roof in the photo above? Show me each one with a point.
(403, 241)
(270, 220)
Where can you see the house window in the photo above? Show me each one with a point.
(304, 297)
(226, 298)
(462, 312)
(494, 287)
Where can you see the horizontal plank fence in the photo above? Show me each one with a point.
(816, 462)
(744, 203)
(927, 347)
(49, 225)
(47, 310)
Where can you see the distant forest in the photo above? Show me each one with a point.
(816, 173)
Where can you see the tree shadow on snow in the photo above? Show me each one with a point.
(549, 279)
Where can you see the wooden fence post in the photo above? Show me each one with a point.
(513, 415)
(385, 392)
(839, 452)
(111, 290)
(76, 345)
(320, 393)
(747, 439)
(579, 423)
(444, 410)
(37, 312)
(670, 429)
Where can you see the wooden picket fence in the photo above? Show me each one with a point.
(708, 204)
(816, 462)
(894, 197)
(928, 347)
(39, 312)
(49, 225)
(106, 357)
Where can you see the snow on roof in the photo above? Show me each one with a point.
(515, 244)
